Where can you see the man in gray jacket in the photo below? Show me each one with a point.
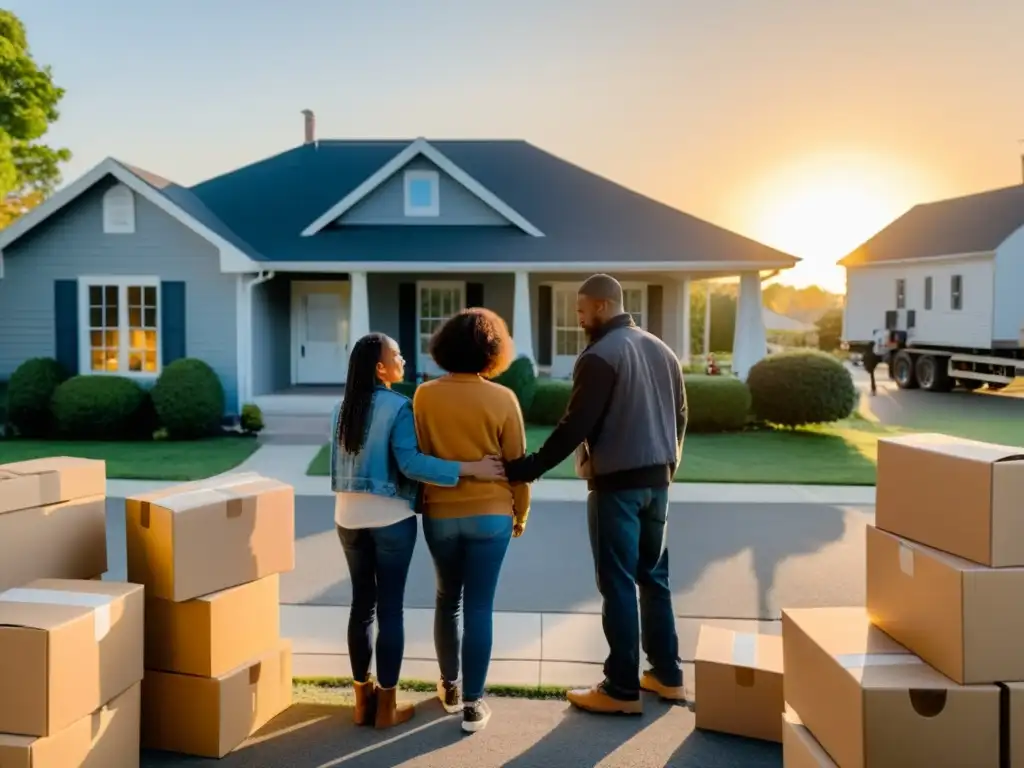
(625, 420)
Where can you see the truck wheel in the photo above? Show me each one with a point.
(931, 374)
(903, 370)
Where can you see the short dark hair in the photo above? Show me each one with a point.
(473, 341)
(603, 288)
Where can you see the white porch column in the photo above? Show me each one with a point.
(706, 349)
(359, 308)
(683, 318)
(749, 342)
(522, 318)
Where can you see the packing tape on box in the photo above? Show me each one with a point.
(744, 649)
(99, 603)
(212, 494)
(861, 660)
(906, 559)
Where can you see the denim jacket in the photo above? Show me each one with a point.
(389, 463)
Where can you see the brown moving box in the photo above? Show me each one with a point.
(1013, 721)
(212, 635)
(871, 703)
(959, 496)
(965, 619)
(799, 748)
(108, 738)
(738, 682)
(196, 539)
(209, 717)
(66, 649)
(60, 541)
(39, 482)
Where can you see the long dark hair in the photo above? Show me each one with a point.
(360, 386)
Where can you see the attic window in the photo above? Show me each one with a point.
(119, 211)
(421, 193)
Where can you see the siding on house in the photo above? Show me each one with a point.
(72, 244)
(458, 206)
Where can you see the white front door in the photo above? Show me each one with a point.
(435, 303)
(568, 338)
(320, 325)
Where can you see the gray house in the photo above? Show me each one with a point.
(269, 272)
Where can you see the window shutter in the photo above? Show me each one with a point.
(474, 294)
(172, 321)
(408, 333)
(655, 310)
(545, 327)
(65, 313)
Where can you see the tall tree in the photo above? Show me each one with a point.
(29, 169)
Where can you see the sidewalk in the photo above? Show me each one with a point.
(288, 463)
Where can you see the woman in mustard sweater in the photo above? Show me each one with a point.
(468, 527)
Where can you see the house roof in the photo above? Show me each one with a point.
(963, 225)
(274, 211)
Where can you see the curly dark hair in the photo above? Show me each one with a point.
(473, 341)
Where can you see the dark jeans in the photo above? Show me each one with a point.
(378, 565)
(468, 553)
(628, 533)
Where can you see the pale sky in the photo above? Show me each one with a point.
(807, 124)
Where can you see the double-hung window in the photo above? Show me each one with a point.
(119, 325)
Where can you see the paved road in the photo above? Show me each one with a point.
(728, 560)
(522, 734)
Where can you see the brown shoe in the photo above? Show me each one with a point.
(366, 703)
(597, 700)
(651, 684)
(390, 711)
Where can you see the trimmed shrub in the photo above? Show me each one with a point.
(521, 378)
(796, 388)
(189, 400)
(407, 388)
(550, 398)
(251, 419)
(100, 408)
(716, 404)
(29, 393)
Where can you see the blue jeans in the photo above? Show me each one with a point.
(468, 553)
(378, 565)
(628, 537)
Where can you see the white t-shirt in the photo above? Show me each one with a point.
(366, 510)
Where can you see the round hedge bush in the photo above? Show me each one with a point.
(189, 400)
(100, 408)
(796, 388)
(550, 398)
(29, 393)
(521, 378)
(716, 404)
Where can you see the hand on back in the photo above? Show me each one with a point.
(488, 468)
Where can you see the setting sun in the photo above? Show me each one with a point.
(824, 206)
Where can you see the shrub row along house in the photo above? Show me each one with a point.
(269, 272)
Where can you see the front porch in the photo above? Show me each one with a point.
(301, 325)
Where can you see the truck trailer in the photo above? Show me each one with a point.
(946, 280)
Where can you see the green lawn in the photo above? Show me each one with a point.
(840, 454)
(157, 460)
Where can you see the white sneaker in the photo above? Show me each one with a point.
(475, 716)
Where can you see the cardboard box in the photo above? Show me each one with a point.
(39, 482)
(209, 717)
(108, 738)
(871, 703)
(799, 748)
(66, 648)
(738, 682)
(60, 541)
(965, 619)
(212, 635)
(1013, 722)
(196, 539)
(959, 496)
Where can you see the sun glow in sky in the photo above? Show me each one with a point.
(824, 205)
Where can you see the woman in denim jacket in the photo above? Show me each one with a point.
(376, 469)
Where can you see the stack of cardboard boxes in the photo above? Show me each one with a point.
(71, 655)
(209, 554)
(930, 673)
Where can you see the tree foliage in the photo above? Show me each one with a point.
(29, 169)
(830, 330)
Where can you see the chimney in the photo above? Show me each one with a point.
(310, 125)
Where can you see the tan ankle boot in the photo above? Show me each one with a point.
(366, 703)
(390, 711)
